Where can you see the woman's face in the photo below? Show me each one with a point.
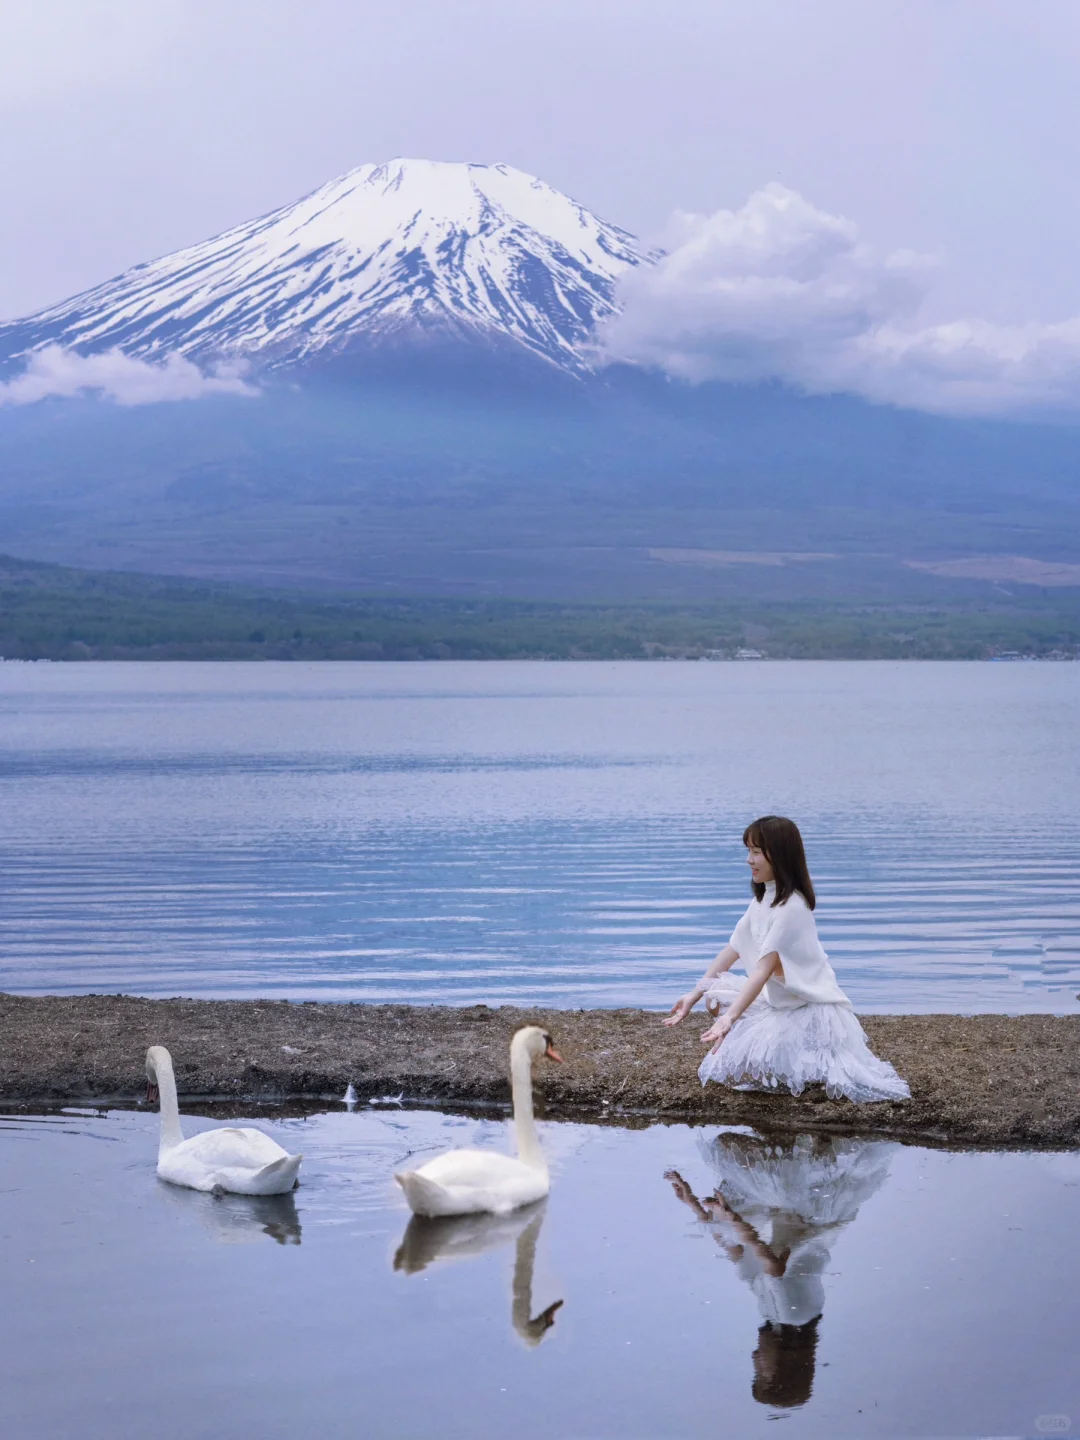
(761, 872)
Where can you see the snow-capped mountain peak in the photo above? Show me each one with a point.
(474, 251)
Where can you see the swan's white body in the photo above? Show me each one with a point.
(241, 1161)
(467, 1182)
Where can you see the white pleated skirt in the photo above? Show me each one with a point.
(772, 1049)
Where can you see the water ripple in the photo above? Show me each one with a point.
(571, 838)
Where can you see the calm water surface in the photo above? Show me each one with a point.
(528, 832)
(925, 1290)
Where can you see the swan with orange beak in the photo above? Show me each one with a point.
(469, 1182)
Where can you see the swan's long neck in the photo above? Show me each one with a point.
(524, 1263)
(171, 1134)
(528, 1143)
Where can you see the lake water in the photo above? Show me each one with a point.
(925, 1291)
(566, 834)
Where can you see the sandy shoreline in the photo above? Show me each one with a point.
(978, 1080)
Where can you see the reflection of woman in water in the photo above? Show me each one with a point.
(776, 1213)
(787, 1024)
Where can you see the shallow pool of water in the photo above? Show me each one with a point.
(842, 1288)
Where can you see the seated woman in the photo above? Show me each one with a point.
(788, 1024)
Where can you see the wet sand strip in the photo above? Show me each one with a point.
(975, 1080)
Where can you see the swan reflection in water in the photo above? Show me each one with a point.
(777, 1210)
(458, 1237)
(240, 1219)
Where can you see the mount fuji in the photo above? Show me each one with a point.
(426, 418)
(397, 253)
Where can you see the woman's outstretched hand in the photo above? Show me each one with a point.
(717, 1032)
(715, 1202)
(680, 1009)
(679, 1185)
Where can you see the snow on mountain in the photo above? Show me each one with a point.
(469, 251)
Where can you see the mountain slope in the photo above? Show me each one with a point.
(617, 490)
(374, 456)
(407, 248)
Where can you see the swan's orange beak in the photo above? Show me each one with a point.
(151, 1093)
(552, 1054)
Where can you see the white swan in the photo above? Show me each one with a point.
(243, 1162)
(465, 1182)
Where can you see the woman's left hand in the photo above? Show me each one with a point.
(716, 1201)
(718, 1032)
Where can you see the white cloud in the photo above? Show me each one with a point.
(53, 371)
(780, 290)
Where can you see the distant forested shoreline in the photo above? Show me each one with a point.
(51, 612)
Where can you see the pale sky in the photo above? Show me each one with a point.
(950, 127)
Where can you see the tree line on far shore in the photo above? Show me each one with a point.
(55, 613)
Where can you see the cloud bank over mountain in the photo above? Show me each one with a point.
(112, 375)
(782, 291)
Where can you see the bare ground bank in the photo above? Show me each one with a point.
(982, 1080)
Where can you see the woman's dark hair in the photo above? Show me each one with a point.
(784, 1364)
(779, 841)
